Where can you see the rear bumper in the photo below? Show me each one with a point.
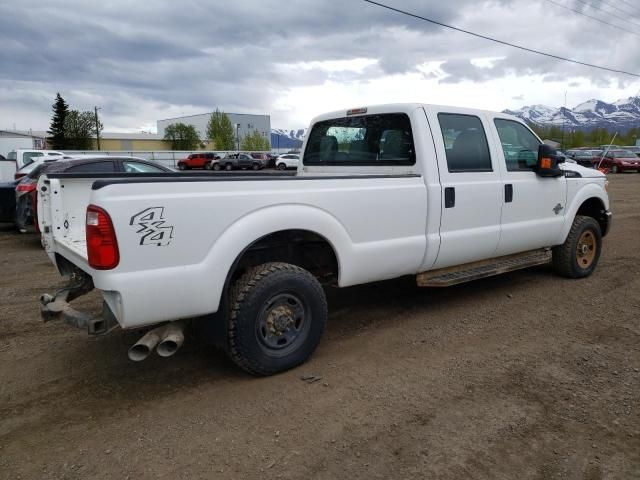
(57, 307)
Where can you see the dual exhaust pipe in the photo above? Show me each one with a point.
(167, 338)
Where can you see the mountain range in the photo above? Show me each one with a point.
(293, 139)
(621, 115)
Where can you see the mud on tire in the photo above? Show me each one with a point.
(578, 256)
(277, 315)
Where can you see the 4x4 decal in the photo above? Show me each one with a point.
(152, 228)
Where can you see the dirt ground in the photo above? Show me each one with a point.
(523, 376)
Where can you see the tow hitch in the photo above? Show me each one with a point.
(57, 306)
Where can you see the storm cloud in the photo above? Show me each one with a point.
(141, 61)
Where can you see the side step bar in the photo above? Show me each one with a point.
(445, 277)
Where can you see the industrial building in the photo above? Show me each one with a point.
(242, 123)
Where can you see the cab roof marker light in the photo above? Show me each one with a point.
(357, 111)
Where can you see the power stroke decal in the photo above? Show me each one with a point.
(152, 227)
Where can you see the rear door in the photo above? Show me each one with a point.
(471, 189)
(534, 206)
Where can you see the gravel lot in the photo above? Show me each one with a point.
(523, 376)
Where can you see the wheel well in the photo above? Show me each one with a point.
(299, 247)
(593, 207)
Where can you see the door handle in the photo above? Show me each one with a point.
(508, 193)
(449, 197)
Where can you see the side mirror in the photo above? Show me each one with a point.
(548, 161)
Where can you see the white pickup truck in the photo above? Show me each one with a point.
(442, 193)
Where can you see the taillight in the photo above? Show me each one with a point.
(102, 245)
(26, 187)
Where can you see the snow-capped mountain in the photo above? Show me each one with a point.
(281, 138)
(623, 114)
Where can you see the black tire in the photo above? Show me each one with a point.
(282, 166)
(256, 166)
(277, 315)
(228, 167)
(578, 256)
(614, 169)
(207, 166)
(182, 166)
(216, 167)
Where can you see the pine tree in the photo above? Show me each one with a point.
(57, 139)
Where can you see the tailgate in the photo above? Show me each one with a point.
(62, 206)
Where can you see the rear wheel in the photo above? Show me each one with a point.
(182, 166)
(278, 312)
(207, 166)
(282, 166)
(228, 166)
(255, 166)
(614, 169)
(216, 167)
(578, 256)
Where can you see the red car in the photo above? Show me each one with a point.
(197, 160)
(618, 161)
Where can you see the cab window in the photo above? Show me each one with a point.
(519, 144)
(465, 143)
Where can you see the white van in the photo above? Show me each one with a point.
(19, 158)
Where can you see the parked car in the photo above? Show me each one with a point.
(262, 157)
(25, 190)
(287, 160)
(581, 157)
(8, 201)
(17, 159)
(34, 161)
(243, 161)
(633, 149)
(618, 161)
(197, 160)
(410, 189)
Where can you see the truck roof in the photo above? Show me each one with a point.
(407, 108)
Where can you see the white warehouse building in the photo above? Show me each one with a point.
(243, 124)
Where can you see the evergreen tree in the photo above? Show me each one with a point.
(220, 131)
(182, 136)
(57, 139)
(255, 141)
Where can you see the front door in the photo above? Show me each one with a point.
(471, 190)
(534, 207)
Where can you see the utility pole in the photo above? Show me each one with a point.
(564, 117)
(97, 128)
(238, 135)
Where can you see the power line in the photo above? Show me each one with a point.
(617, 8)
(614, 15)
(630, 4)
(592, 17)
(502, 42)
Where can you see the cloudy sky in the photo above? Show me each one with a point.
(293, 59)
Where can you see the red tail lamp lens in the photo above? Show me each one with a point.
(102, 244)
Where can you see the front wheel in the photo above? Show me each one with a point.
(578, 256)
(282, 166)
(182, 166)
(228, 167)
(614, 169)
(216, 167)
(278, 313)
(255, 166)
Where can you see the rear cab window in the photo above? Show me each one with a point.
(366, 140)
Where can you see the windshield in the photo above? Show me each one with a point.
(384, 139)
